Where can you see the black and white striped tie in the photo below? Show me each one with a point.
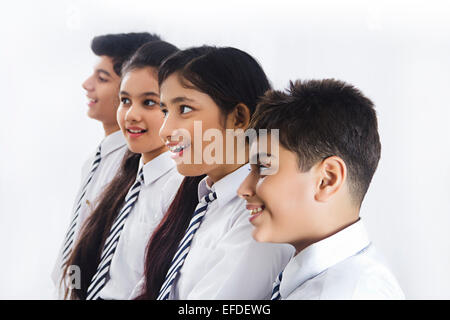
(276, 288)
(102, 275)
(69, 238)
(184, 246)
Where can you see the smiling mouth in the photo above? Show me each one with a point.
(91, 102)
(255, 211)
(136, 131)
(178, 148)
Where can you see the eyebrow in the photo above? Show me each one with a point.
(103, 71)
(149, 93)
(255, 158)
(177, 100)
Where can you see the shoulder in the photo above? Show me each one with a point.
(360, 277)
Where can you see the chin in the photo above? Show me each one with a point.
(134, 149)
(259, 235)
(91, 114)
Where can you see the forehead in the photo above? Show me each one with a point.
(172, 88)
(105, 63)
(139, 80)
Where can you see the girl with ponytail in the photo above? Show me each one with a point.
(110, 251)
(203, 247)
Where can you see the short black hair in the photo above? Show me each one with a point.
(121, 46)
(322, 118)
(150, 54)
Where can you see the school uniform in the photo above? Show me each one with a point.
(342, 266)
(127, 265)
(224, 261)
(112, 150)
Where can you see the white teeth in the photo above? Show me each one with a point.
(136, 131)
(176, 149)
(255, 211)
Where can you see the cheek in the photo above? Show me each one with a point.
(285, 198)
(109, 93)
(154, 120)
(120, 117)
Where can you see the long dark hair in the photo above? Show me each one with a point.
(229, 76)
(87, 251)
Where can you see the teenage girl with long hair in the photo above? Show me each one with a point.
(203, 247)
(110, 251)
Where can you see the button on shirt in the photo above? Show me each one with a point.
(342, 266)
(127, 266)
(113, 148)
(224, 261)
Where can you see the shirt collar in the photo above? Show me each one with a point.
(112, 142)
(156, 167)
(322, 255)
(226, 187)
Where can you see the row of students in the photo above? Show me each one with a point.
(170, 229)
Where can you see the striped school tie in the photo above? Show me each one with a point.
(276, 288)
(102, 275)
(69, 238)
(184, 246)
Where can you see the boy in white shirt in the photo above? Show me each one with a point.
(309, 193)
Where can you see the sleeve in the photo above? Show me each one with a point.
(241, 268)
(56, 272)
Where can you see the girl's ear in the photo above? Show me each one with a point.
(241, 116)
(331, 175)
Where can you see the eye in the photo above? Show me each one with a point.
(102, 79)
(125, 101)
(263, 166)
(149, 103)
(259, 169)
(185, 109)
(262, 169)
(164, 111)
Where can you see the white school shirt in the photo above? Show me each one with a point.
(342, 266)
(224, 261)
(113, 148)
(127, 265)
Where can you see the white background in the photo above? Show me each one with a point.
(397, 53)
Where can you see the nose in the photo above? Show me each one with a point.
(88, 84)
(247, 188)
(168, 128)
(133, 114)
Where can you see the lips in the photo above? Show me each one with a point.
(177, 149)
(92, 101)
(135, 132)
(255, 210)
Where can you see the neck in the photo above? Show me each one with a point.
(221, 171)
(110, 128)
(330, 229)
(225, 169)
(149, 156)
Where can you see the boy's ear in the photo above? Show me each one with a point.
(331, 175)
(241, 116)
